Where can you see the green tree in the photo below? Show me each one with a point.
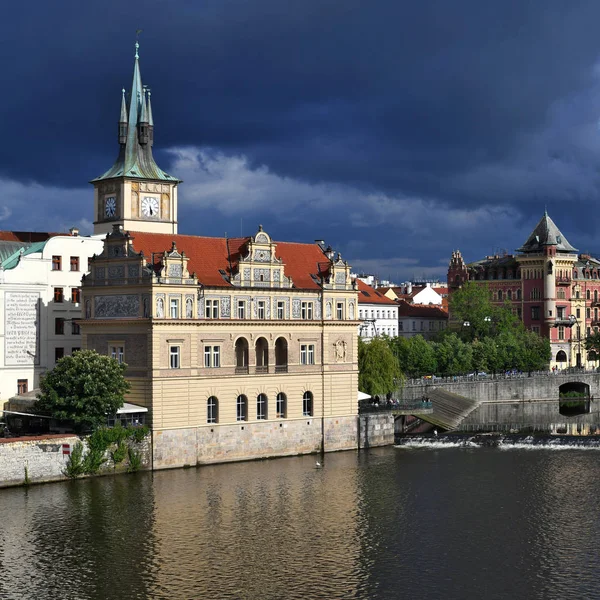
(592, 342)
(454, 357)
(379, 373)
(83, 388)
(472, 304)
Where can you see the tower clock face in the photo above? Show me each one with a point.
(149, 207)
(110, 206)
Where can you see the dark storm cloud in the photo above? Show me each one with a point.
(466, 114)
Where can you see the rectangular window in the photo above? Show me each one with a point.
(340, 311)
(75, 329)
(75, 295)
(212, 356)
(59, 326)
(561, 312)
(401, 326)
(174, 357)
(561, 333)
(174, 308)
(75, 349)
(578, 314)
(280, 310)
(588, 313)
(118, 353)
(535, 313)
(241, 309)
(307, 354)
(58, 295)
(212, 309)
(74, 263)
(56, 263)
(21, 386)
(414, 325)
(260, 309)
(422, 325)
(58, 354)
(536, 329)
(306, 310)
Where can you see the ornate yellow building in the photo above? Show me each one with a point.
(240, 348)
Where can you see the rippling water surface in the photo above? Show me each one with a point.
(452, 523)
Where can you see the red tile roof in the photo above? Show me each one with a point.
(369, 295)
(208, 256)
(426, 311)
(27, 236)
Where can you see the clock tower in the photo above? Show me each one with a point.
(135, 192)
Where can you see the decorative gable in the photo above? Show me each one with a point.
(259, 266)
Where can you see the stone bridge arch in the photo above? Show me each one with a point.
(574, 398)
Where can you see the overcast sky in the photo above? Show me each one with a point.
(396, 131)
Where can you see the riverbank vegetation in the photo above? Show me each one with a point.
(480, 338)
(83, 389)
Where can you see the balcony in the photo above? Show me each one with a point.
(563, 280)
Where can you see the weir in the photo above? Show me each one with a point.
(563, 403)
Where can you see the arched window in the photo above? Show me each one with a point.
(241, 408)
(281, 406)
(241, 355)
(281, 355)
(262, 355)
(307, 404)
(261, 407)
(561, 356)
(212, 410)
(509, 294)
(500, 298)
(595, 295)
(518, 294)
(575, 274)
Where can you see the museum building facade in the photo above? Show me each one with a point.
(239, 347)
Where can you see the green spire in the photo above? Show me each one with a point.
(123, 118)
(136, 135)
(150, 119)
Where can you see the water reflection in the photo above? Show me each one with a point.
(381, 524)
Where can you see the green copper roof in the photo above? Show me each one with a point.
(11, 252)
(546, 233)
(135, 158)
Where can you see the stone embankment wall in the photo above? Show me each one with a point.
(376, 430)
(514, 403)
(44, 458)
(248, 441)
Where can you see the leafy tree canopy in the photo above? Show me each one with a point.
(379, 372)
(83, 388)
(472, 304)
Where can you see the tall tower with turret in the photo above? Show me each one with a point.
(135, 192)
(457, 271)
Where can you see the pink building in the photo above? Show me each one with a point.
(551, 287)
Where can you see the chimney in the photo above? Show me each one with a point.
(74, 231)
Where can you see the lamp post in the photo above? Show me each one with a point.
(575, 321)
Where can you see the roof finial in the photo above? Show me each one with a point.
(545, 210)
(137, 43)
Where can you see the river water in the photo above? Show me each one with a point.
(437, 521)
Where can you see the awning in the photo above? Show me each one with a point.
(362, 396)
(128, 408)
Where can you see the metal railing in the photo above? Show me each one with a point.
(241, 370)
(385, 406)
(478, 377)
